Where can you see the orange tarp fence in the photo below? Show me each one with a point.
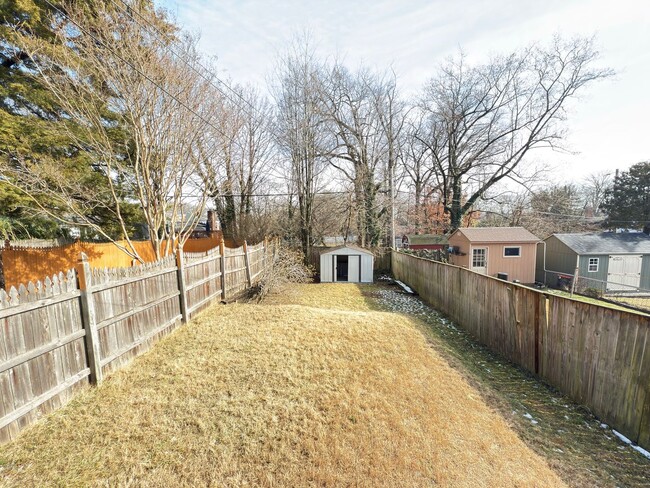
(25, 265)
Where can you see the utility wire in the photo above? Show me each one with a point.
(103, 44)
(129, 10)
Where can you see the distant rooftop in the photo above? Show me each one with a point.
(497, 234)
(607, 242)
(330, 250)
(421, 239)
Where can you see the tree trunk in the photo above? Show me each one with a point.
(456, 211)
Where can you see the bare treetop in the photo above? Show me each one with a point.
(483, 120)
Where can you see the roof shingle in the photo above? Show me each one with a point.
(497, 234)
(607, 242)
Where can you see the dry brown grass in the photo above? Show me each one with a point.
(288, 393)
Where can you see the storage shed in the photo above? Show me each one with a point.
(622, 260)
(346, 264)
(503, 252)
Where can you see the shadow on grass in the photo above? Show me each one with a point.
(583, 451)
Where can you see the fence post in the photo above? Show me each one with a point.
(222, 251)
(266, 250)
(575, 279)
(180, 274)
(247, 261)
(89, 320)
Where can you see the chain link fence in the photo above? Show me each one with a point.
(608, 291)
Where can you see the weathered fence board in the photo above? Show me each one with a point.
(235, 271)
(202, 279)
(39, 350)
(598, 356)
(72, 329)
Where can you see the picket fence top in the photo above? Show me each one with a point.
(51, 286)
(215, 251)
(110, 275)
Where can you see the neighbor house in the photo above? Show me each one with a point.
(504, 252)
(620, 259)
(347, 264)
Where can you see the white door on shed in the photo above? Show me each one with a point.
(479, 260)
(624, 272)
(354, 269)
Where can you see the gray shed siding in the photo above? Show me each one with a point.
(645, 272)
(559, 256)
(603, 263)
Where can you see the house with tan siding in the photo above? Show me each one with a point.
(503, 252)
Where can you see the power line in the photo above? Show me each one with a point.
(129, 10)
(134, 68)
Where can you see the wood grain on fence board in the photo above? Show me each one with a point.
(37, 350)
(47, 331)
(598, 356)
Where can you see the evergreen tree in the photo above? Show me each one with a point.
(627, 203)
(34, 130)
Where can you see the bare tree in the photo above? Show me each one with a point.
(594, 189)
(365, 119)
(138, 110)
(484, 120)
(245, 152)
(392, 116)
(300, 132)
(418, 167)
(543, 211)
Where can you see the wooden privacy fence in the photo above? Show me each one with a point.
(73, 328)
(598, 356)
(30, 260)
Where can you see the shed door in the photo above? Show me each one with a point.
(354, 269)
(624, 273)
(479, 259)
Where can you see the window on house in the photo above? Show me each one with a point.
(511, 252)
(593, 265)
(478, 258)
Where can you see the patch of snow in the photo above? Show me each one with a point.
(604, 426)
(641, 450)
(404, 287)
(622, 437)
(627, 441)
(530, 417)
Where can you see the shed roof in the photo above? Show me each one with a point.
(419, 239)
(348, 246)
(497, 234)
(607, 242)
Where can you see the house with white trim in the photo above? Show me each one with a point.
(620, 259)
(508, 253)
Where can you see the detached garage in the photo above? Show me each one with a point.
(346, 264)
(622, 260)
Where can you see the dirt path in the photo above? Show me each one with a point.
(316, 388)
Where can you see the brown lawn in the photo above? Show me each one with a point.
(312, 388)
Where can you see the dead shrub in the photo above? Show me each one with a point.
(284, 266)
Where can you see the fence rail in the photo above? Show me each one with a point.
(620, 293)
(74, 328)
(598, 356)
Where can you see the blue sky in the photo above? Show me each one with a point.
(609, 126)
